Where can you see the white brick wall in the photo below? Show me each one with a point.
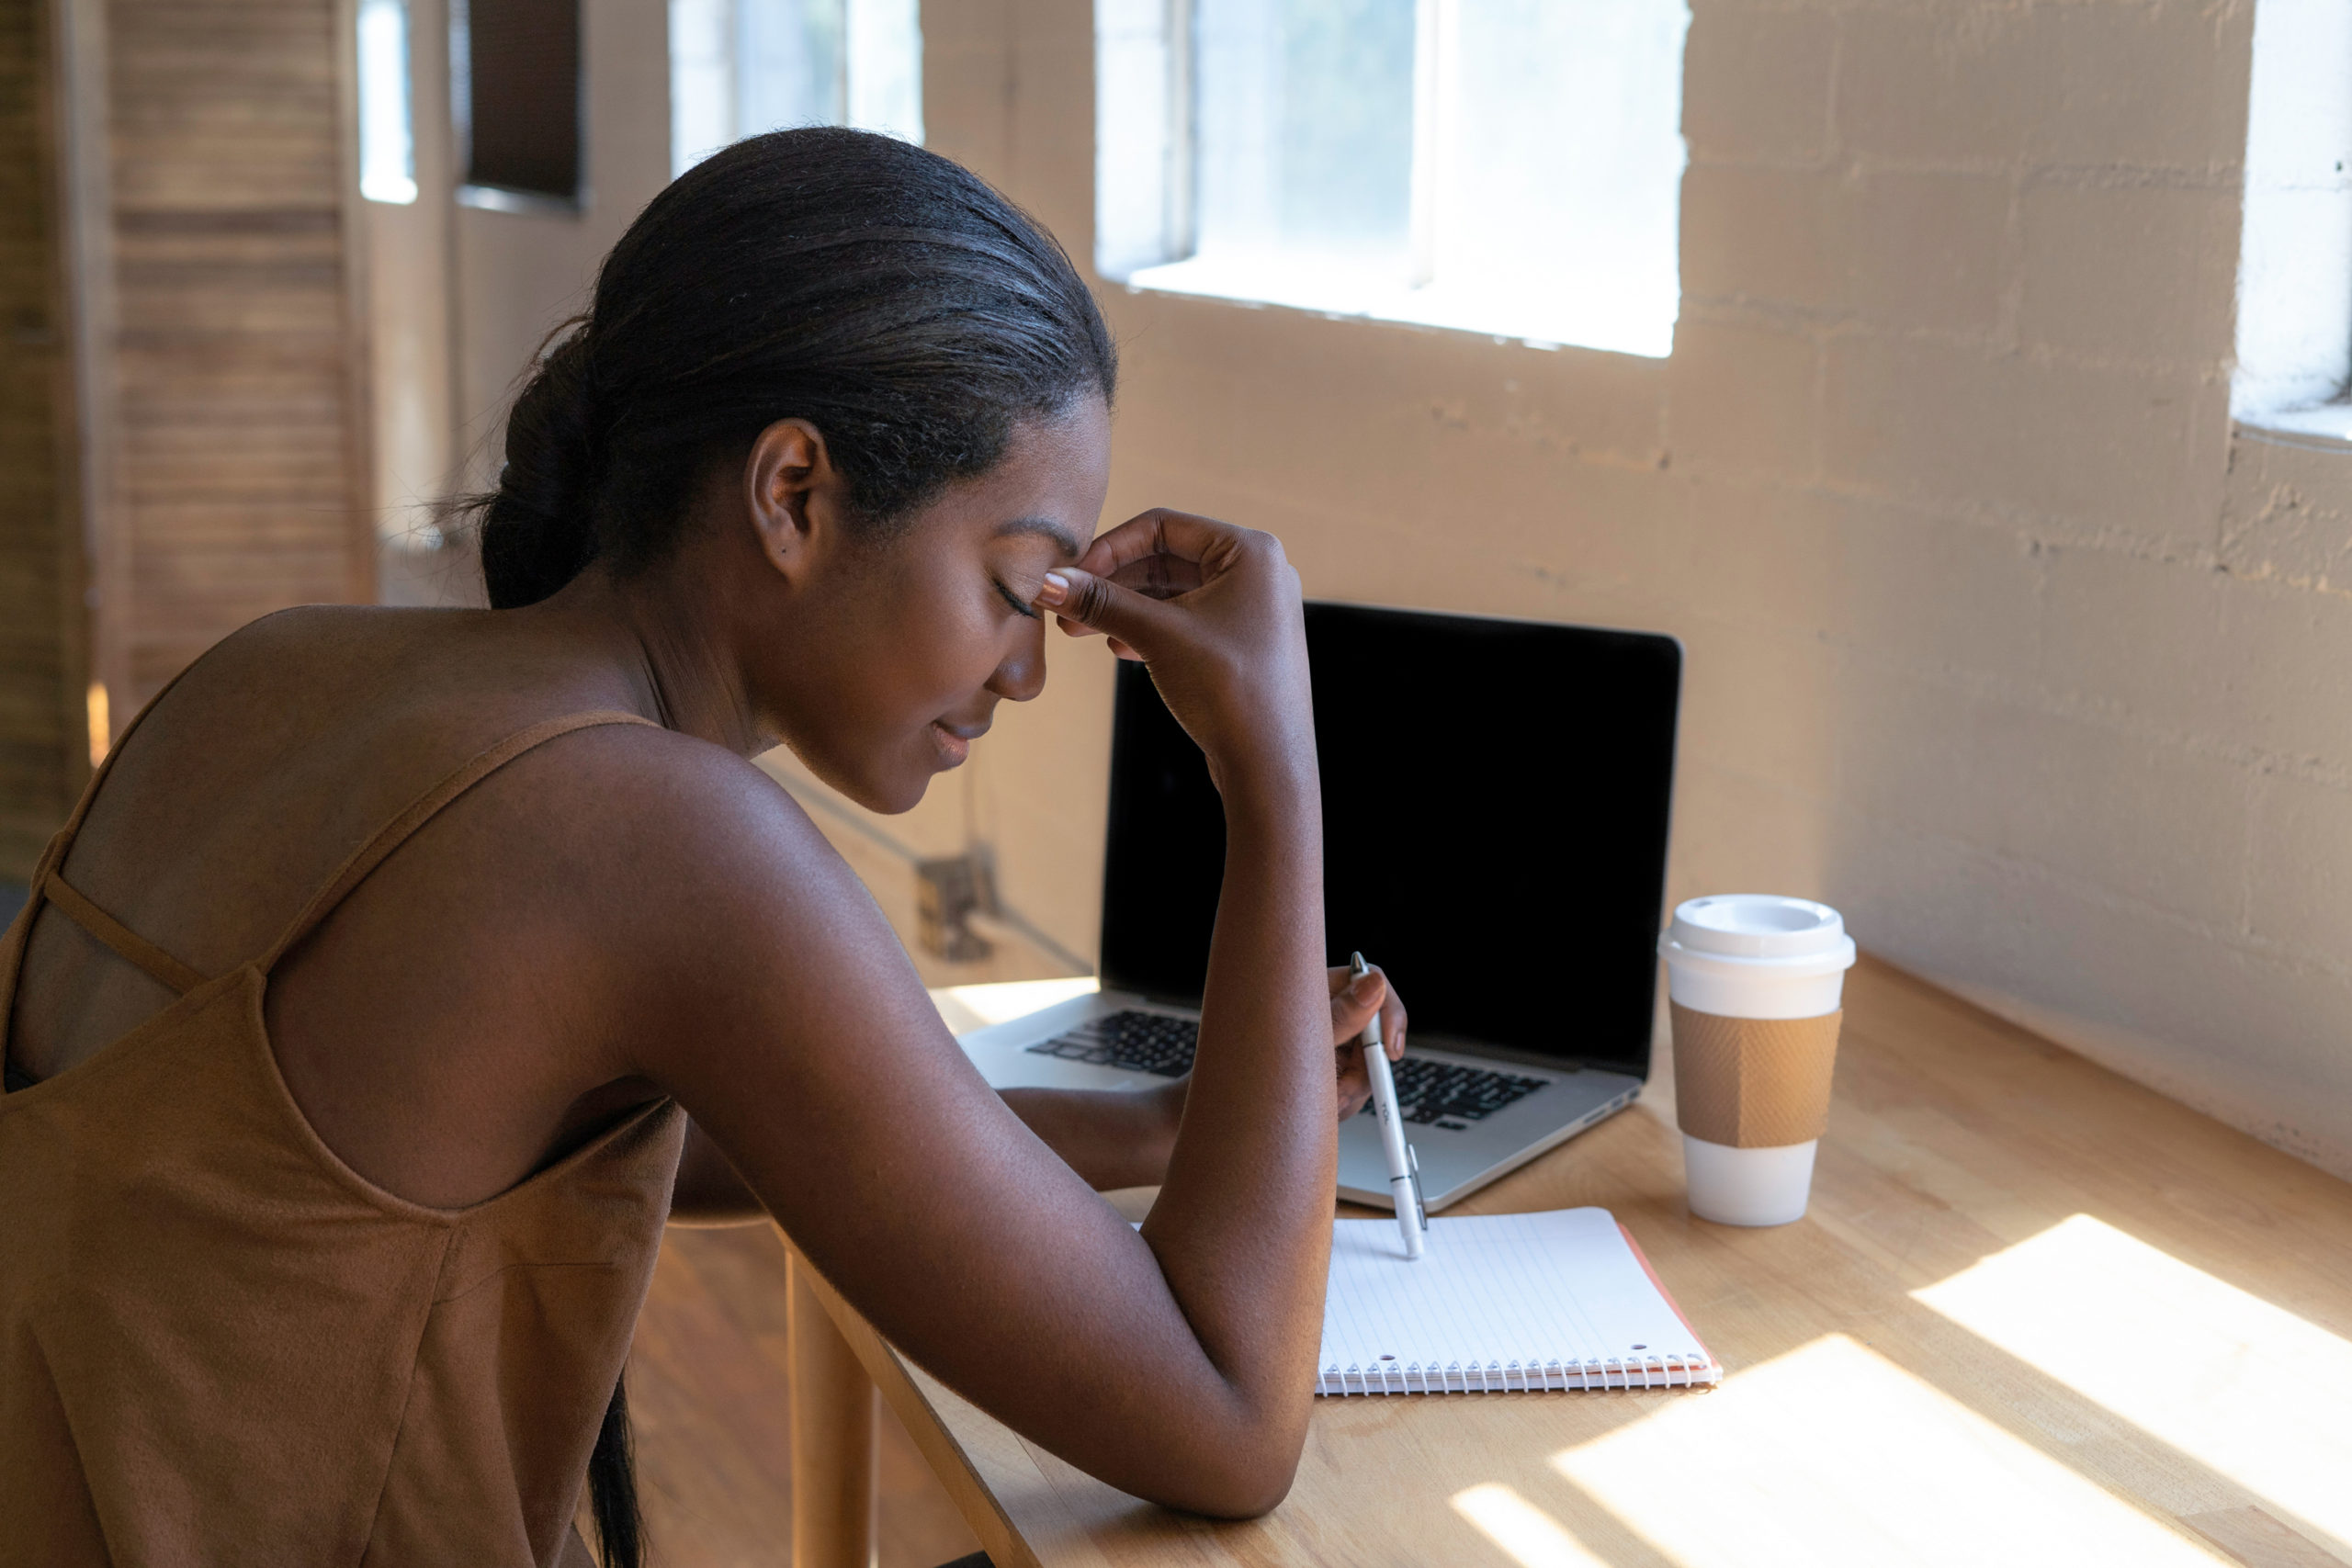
(1998, 638)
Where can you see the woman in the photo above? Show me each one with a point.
(404, 969)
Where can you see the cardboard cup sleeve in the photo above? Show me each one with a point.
(1753, 1083)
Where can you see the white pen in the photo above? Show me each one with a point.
(1404, 1170)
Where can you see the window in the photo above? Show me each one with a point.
(2294, 347)
(386, 147)
(738, 67)
(517, 71)
(1503, 167)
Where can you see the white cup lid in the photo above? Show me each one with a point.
(1757, 925)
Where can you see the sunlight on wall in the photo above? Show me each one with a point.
(1527, 1535)
(2252, 1392)
(1832, 1452)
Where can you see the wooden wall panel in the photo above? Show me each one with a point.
(182, 356)
(44, 747)
(239, 481)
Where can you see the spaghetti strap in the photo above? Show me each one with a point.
(47, 885)
(127, 944)
(371, 854)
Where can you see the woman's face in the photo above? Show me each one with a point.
(900, 649)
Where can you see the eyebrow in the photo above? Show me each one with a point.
(1044, 527)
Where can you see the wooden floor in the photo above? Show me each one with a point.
(709, 1397)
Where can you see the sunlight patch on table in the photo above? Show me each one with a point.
(2245, 1388)
(967, 1007)
(1525, 1533)
(1833, 1453)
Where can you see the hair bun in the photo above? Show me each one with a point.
(538, 530)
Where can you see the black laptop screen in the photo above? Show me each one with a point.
(1494, 805)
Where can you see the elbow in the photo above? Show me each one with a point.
(1243, 1479)
(1250, 1498)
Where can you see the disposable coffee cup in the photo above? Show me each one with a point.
(1755, 982)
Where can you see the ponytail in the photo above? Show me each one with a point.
(538, 528)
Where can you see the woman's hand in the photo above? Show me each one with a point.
(1212, 610)
(1353, 1002)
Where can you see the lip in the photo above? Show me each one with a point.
(954, 740)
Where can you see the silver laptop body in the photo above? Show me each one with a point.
(1446, 906)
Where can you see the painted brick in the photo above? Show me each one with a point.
(2102, 447)
(2139, 639)
(1762, 557)
(1734, 833)
(1892, 584)
(2149, 86)
(965, 92)
(2301, 890)
(2138, 272)
(964, 23)
(2166, 1002)
(2285, 653)
(1756, 84)
(1938, 592)
(1602, 405)
(2098, 806)
(1053, 89)
(1925, 249)
(2289, 514)
(1743, 398)
(1586, 527)
(1913, 250)
(2188, 650)
(1942, 85)
(1758, 232)
(1761, 706)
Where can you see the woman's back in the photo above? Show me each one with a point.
(218, 1340)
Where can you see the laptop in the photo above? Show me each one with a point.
(1496, 797)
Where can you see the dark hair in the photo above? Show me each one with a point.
(611, 1487)
(878, 291)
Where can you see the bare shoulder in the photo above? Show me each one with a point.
(721, 918)
(684, 836)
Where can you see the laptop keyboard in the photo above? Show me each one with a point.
(1443, 1093)
(1141, 1041)
(1446, 1091)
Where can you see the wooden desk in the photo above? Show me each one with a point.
(2036, 1315)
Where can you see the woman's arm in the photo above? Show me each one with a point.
(755, 980)
(1112, 1138)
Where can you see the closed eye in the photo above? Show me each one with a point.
(1013, 599)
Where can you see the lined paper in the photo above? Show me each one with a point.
(1501, 1303)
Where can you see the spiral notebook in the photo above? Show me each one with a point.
(1502, 1303)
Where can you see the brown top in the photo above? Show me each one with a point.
(217, 1343)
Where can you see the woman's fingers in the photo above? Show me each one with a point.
(1353, 1003)
(1159, 576)
(1155, 533)
(1084, 602)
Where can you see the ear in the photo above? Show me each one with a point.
(794, 494)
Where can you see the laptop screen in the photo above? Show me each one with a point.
(1495, 809)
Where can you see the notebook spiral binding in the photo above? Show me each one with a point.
(1517, 1377)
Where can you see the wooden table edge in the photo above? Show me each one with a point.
(896, 1379)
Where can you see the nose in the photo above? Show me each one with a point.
(1021, 673)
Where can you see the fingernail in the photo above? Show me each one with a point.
(1056, 590)
(1361, 984)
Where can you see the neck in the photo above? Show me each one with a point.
(678, 675)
